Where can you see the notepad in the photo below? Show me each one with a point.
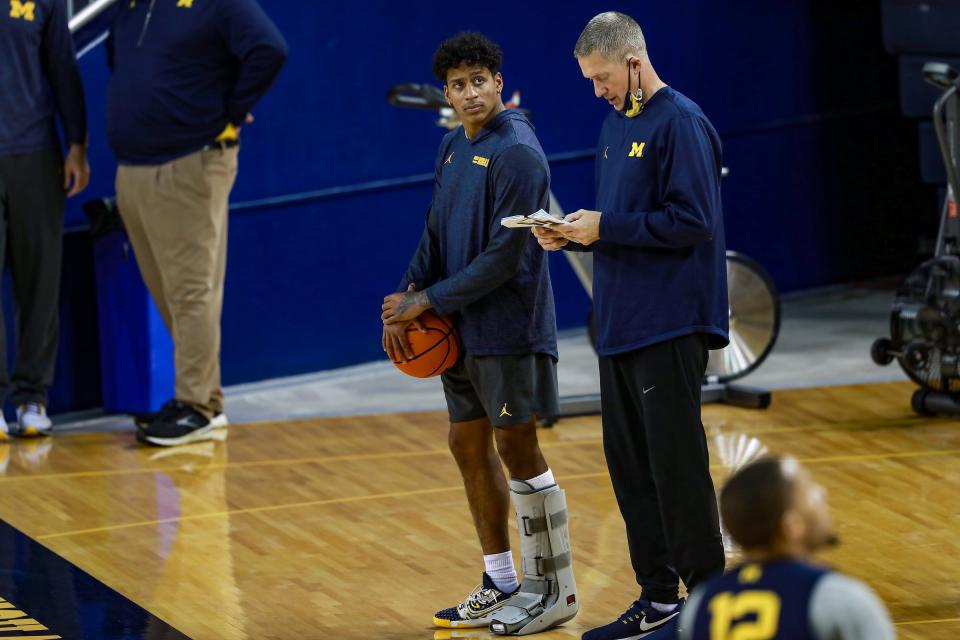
(539, 219)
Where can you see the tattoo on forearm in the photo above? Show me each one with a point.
(413, 299)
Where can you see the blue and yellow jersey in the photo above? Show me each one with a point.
(757, 601)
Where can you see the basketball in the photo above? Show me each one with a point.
(434, 351)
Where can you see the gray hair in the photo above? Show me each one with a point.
(616, 36)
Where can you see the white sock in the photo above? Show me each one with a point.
(499, 567)
(542, 481)
(664, 608)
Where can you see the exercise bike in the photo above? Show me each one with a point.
(925, 318)
(753, 298)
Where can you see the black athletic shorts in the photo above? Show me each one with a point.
(507, 389)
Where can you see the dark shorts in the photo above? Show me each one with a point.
(508, 389)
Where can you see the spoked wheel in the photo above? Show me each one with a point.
(754, 320)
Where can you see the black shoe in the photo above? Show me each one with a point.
(180, 425)
(143, 420)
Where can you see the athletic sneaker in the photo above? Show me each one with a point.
(4, 429)
(641, 620)
(476, 610)
(179, 425)
(32, 421)
(143, 420)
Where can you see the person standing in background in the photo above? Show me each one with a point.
(39, 80)
(186, 75)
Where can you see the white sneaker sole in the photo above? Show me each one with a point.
(198, 435)
(20, 431)
(218, 422)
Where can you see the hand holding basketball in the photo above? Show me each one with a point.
(423, 348)
(403, 307)
(395, 341)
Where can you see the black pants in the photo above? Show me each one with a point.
(31, 242)
(657, 456)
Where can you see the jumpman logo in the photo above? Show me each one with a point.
(504, 412)
(605, 153)
(450, 158)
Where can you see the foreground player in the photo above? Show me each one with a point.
(494, 282)
(778, 514)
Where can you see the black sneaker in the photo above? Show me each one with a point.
(180, 425)
(143, 420)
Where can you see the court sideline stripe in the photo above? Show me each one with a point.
(407, 454)
(418, 492)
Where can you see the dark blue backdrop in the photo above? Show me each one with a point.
(823, 189)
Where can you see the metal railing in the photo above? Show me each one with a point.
(83, 11)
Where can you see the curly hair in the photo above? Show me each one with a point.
(467, 47)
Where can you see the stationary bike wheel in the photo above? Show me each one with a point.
(754, 320)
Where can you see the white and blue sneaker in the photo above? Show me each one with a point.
(476, 610)
(32, 421)
(641, 620)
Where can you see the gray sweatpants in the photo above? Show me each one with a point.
(31, 242)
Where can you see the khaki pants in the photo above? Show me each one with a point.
(176, 219)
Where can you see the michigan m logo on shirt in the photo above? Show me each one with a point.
(636, 149)
(185, 3)
(22, 10)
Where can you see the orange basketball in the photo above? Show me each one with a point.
(434, 351)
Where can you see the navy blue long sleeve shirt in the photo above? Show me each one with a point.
(493, 281)
(184, 70)
(39, 78)
(660, 263)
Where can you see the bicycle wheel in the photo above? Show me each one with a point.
(754, 320)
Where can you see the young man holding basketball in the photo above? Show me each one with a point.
(495, 284)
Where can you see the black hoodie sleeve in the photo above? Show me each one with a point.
(60, 62)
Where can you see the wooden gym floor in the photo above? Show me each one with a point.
(358, 527)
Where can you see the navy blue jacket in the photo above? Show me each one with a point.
(659, 267)
(38, 78)
(494, 281)
(182, 70)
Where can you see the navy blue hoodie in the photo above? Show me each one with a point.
(38, 78)
(659, 267)
(494, 281)
(183, 70)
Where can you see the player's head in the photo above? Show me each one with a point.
(611, 50)
(468, 64)
(773, 506)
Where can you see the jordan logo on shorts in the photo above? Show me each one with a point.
(504, 412)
